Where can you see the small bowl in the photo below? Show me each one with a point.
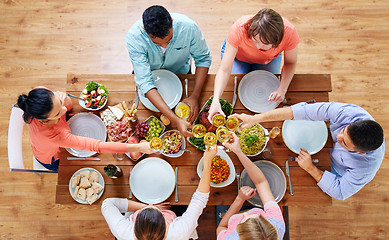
(224, 156)
(83, 103)
(180, 152)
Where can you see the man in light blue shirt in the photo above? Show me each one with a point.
(164, 41)
(358, 139)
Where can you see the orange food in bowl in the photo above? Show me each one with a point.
(165, 120)
(220, 171)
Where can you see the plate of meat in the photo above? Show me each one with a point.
(202, 118)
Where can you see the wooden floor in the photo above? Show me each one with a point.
(42, 41)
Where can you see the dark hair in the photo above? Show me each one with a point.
(366, 135)
(150, 225)
(268, 24)
(37, 104)
(157, 21)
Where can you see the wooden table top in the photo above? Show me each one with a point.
(303, 87)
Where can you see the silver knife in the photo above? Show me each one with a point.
(136, 97)
(176, 184)
(290, 182)
(186, 87)
(130, 195)
(84, 158)
(234, 97)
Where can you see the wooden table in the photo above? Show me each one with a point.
(304, 87)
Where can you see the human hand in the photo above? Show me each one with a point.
(144, 147)
(277, 96)
(183, 127)
(233, 144)
(214, 109)
(162, 206)
(209, 154)
(246, 192)
(193, 103)
(304, 160)
(247, 120)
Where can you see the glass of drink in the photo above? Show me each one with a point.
(118, 156)
(218, 120)
(182, 110)
(199, 130)
(156, 143)
(210, 139)
(274, 132)
(232, 123)
(222, 134)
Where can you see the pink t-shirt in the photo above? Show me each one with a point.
(46, 140)
(248, 52)
(271, 211)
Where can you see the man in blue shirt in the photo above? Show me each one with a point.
(358, 139)
(164, 41)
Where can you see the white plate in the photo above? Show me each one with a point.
(255, 88)
(168, 86)
(275, 177)
(224, 156)
(152, 180)
(179, 153)
(86, 125)
(310, 135)
(267, 140)
(83, 103)
(101, 182)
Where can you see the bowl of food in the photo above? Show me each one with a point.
(173, 143)
(253, 140)
(95, 96)
(222, 169)
(202, 118)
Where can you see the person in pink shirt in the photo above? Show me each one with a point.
(255, 223)
(45, 112)
(257, 43)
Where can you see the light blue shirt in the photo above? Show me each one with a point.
(356, 169)
(187, 40)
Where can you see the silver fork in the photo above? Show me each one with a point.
(130, 196)
(237, 175)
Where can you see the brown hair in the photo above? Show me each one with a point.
(150, 225)
(257, 228)
(268, 24)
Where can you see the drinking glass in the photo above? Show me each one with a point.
(199, 130)
(232, 123)
(210, 139)
(182, 110)
(118, 156)
(218, 120)
(222, 134)
(156, 143)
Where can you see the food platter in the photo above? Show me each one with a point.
(275, 177)
(310, 135)
(168, 86)
(152, 180)
(86, 125)
(180, 151)
(266, 136)
(100, 181)
(255, 88)
(224, 156)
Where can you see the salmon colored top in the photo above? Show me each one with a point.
(248, 52)
(46, 140)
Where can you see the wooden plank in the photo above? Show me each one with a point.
(304, 195)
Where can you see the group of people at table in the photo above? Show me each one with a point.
(161, 40)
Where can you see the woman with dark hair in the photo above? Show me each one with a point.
(156, 222)
(256, 43)
(45, 112)
(256, 223)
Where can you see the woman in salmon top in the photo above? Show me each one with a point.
(256, 43)
(45, 112)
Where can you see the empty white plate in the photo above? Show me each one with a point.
(168, 86)
(310, 135)
(152, 180)
(86, 125)
(274, 176)
(255, 88)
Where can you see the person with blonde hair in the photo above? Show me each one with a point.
(255, 223)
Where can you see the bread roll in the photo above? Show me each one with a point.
(97, 187)
(91, 199)
(76, 191)
(84, 183)
(85, 173)
(89, 192)
(81, 194)
(94, 177)
(75, 181)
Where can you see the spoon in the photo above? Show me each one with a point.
(70, 95)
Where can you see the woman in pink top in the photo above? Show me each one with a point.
(45, 112)
(256, 223)
(256, 43)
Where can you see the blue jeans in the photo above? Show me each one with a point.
(53, 166)
(240, 67)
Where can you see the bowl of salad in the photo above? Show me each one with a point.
(173, 143)
(95, 96)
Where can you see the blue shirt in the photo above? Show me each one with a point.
(356, 169)
(187, 40)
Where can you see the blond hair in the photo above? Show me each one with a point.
(257, 228)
